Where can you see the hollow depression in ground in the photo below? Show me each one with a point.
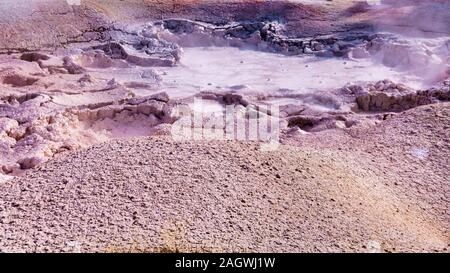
(249, 70)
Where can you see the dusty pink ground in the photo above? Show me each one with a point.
(359, 190)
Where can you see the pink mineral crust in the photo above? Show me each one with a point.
(107, 143)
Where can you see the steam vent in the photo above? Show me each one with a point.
(224, 126)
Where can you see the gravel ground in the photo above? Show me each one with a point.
(368, 192)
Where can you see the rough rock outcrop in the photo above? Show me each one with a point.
(148, 52)
(388, 96)
(263, 35)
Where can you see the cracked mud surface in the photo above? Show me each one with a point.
(361, 95)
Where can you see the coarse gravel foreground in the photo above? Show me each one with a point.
(154, 194)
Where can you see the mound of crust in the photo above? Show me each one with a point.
(154, 194)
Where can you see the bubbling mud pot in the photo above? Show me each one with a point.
(96, 72)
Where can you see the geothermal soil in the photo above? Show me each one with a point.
(93, 97)
(153, 194)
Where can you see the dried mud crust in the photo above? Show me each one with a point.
(153, 194)
(37, 129)
(50, 24)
